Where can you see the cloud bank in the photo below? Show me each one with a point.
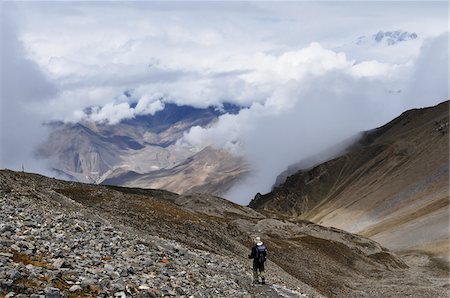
(315, 111)
(295, 65)
(23, 88)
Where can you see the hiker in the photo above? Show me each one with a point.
(259, 252)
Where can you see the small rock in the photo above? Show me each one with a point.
(52, 293)
(14, 274)
(154, 292)
(75, 288)
(15, 247)
(8, 283)
(143, 287)
(28, 245)
(58, 263)
(114, 274)
(28, 252)
(10, 294)
(120, 294)
(29, 223)
(6, 254)
(6, 228)
(87, 282)
(124, 273)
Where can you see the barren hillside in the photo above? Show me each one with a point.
(392, 186)
(73, 239)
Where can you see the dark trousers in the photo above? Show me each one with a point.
(258, 271)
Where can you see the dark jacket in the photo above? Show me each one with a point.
(253, 255)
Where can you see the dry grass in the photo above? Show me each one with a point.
(37, 260)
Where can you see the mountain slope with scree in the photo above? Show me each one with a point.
(74, 239)
(391, 186)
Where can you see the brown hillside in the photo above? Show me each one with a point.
(392, 186)
(305, 257)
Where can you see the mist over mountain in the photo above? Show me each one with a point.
(392, 185)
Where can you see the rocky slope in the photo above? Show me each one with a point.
(143, 152)
(392, 186)
(70, 239)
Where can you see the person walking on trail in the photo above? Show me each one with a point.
(258, 254)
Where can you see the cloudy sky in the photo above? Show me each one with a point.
(311, 73)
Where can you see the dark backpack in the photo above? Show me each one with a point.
(261, 253)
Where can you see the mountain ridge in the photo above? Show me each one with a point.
(145, 145)
(392, 185)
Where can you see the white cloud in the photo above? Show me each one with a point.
(303, 117)
(180, 50)
(112, 113)
(23, 86)
(292, 63)
(373, 69)
(149, 104)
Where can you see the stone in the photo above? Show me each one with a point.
(28, 252)
(14, 274)
(7, 283)
(6, 228)
(58, 263)
(52, 292)
(120, 294)
(124, 273)
(154, 292)
(29, 245)
(87, 282)
(114, 274)
(6, 254)
(75, 288)
(10, 294)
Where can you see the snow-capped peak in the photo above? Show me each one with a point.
(386, 37)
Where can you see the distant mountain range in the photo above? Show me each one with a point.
(142, 152)
(392, 185)
(389, 38)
